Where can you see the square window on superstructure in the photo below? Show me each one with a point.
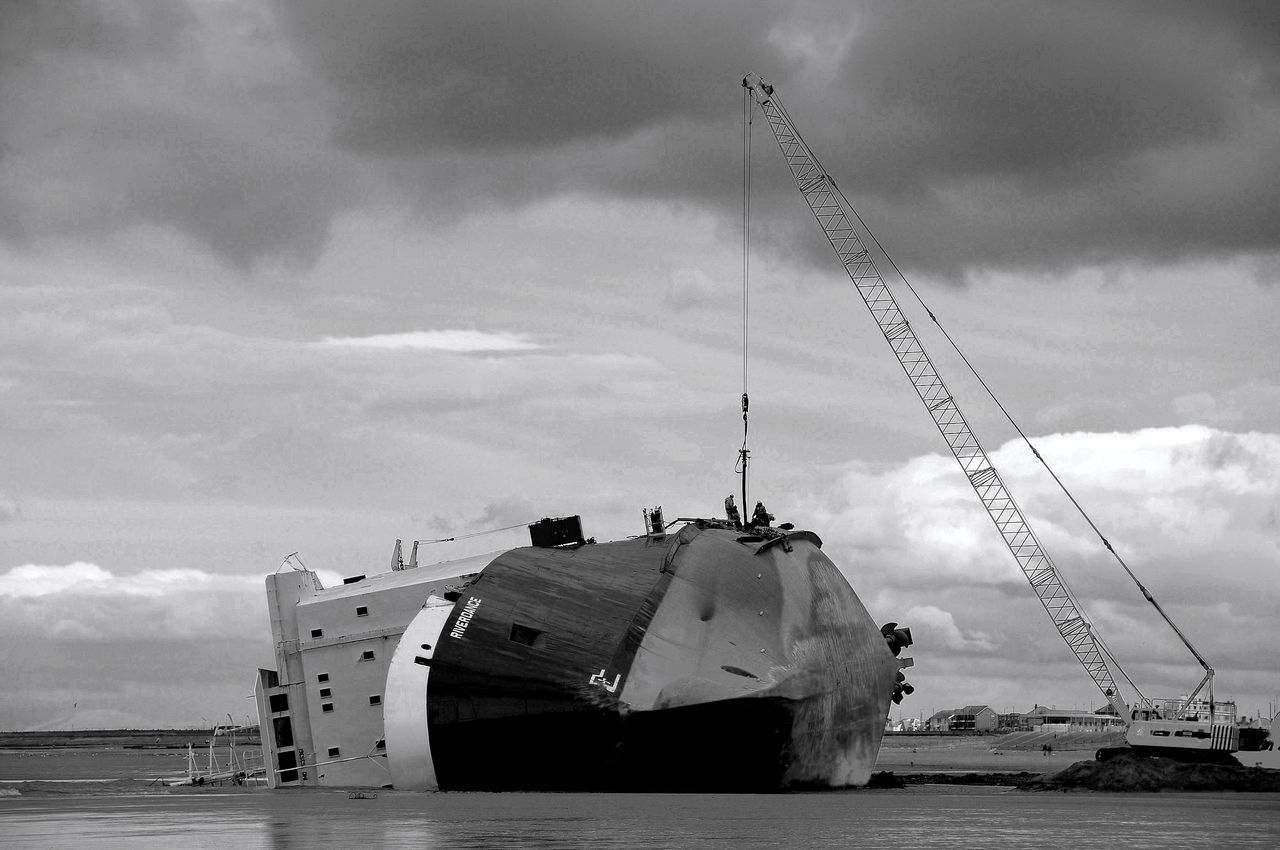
(362, 611)
(322, 677)
(325, 693)
(333, 752)
(317, 633)
(278, 702)
(375, 699)
(326, 707)
(367, 655)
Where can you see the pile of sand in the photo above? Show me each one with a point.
(1130, 772)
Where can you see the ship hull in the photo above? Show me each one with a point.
(709, 660)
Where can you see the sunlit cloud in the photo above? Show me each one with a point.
(456, 341)
(1163, 493)
(84, 601)
(1180, 504)
(35, 581)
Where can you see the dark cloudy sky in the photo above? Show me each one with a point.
(315, 276)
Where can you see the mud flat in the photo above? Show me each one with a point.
(1017, 760)
(1007, 760)
(998, 754)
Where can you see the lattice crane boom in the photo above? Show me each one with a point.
(832, 212)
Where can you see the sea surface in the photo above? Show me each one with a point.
(105, 798)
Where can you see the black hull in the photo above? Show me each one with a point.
(706, 661)
(734, 746)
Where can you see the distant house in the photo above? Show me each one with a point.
(940, 721)
(970, 718)
(975, 718)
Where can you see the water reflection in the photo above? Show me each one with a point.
(923, 817)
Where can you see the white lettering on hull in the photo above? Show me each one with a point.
(464, 619)
(602, 680)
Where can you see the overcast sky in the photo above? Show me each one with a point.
(315, 276)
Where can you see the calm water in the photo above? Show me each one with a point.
(131, 814)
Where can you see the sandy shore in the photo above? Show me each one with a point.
(981, 754)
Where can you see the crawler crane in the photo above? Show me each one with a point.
(1190, 728)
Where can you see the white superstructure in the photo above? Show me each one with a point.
(321, 709)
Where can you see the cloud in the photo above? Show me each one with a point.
(1020, 136)
(1011, 135)
(83, 601)
(1159, 489)
(172, 644)
(936, 628)
(491, 76)
(10, 509)
(1192, 510)
(189, 117)
(32, 581)
(690, 288)
(457, 341)
(1229, 407)
(127, 398)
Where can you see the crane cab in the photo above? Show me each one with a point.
(1183, 729)
(1184, 740)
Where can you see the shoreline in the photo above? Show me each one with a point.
(129, 739)
(1010, 760)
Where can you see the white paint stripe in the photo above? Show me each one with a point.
(404, 702)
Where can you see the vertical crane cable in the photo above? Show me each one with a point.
(744, 453)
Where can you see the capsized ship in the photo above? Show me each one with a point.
(712, 656)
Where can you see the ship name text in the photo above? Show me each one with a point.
(464, 619)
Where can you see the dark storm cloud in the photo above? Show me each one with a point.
(995, 134)
(1017, 134)
(977, 135)
(1036, 91)
(158, 114)
(1050, 135)
(415, 77)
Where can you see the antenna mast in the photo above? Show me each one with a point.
(744, 453)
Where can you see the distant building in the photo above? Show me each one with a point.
(940, 721)
(975, 718)
(1012, 720)
(1047, 719)
(903, 724)
(970, 718)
